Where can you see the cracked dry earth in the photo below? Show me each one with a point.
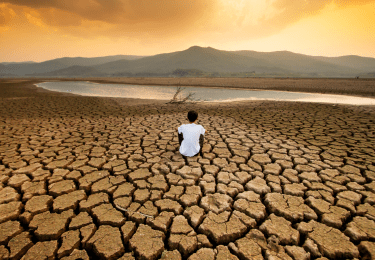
(95, 178)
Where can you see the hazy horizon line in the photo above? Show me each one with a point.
(143, 56)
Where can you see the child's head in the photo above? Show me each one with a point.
(192, 116)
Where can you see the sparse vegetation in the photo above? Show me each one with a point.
(188, 73)
(179, 99)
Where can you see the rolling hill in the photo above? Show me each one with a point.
(24, 62)
(199, 61)
(354, 62)
(204, 59)
(23, 69)
(302, 63)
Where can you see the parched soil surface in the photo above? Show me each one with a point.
(102, 178)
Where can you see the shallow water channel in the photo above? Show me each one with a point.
(201, 93)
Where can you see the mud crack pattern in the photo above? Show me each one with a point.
(95, 178)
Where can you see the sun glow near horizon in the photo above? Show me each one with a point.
(41, 30)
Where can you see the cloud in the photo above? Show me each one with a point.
(123, 11)
(344, 3)
(88, 9)
(116, 19)
(253, 19)
(291, 11)
(151, 19)
(6, 14)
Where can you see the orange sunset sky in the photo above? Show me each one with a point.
(39, 30)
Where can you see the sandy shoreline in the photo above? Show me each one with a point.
(93, 177)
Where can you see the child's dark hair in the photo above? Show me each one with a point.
(192, 116)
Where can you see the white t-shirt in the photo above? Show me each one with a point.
(191, 133)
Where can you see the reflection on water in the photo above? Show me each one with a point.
(207, 94)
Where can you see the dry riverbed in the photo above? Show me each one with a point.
(89, 178)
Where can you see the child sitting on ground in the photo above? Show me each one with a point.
(191, 136)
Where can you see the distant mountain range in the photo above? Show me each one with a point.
(59, 67)
(197, 62)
